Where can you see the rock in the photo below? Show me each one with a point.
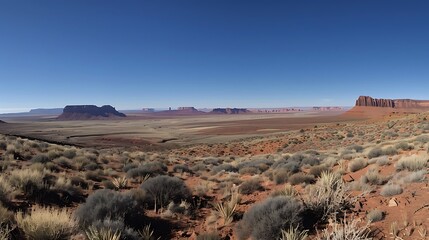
(83, 112)
(230, 110)
(393, 202)
(366, 101)
(358, 206)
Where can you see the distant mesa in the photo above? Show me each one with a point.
(368, 107)
(86, 112)
(1, 121)
(180, 111)
(366, 101)
(327, 108)
(187, 109)
(274, 110)
(230, 110)
(148, 110)
(46, 111)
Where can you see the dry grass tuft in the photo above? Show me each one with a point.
(45, 223)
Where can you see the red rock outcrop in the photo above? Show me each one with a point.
(84, 112)
(366, 101)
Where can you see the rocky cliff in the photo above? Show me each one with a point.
(230, 110)
(366, 101)
(83, 112)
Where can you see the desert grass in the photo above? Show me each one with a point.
(45, 223)
(412, 163)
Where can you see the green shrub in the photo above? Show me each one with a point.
(161, 190)
(107, 204)
(265, 221)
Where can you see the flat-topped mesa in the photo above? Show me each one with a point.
(187, 109)
(82, 112)
(230, 110)
(366, 101)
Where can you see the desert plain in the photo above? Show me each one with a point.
(361, 173)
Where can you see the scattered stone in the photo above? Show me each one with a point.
(393, 202)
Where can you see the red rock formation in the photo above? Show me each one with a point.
(365, 101)
(83, 112)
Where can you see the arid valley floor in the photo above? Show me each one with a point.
(257, 176)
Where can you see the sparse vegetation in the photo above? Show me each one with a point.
(161, 190)
(375, 215)
(391, 190)
(266, 220)
(46, 224)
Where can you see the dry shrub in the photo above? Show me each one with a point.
(375, 215)
(250, 186)
(357, 164)
(6, 190)
(300, 177)
(347, 229)
(412, 163)
(328, 196)
(391, 190)
(44, 223)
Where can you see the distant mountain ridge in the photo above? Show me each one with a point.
(230, 110)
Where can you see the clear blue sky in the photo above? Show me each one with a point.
(211, 53)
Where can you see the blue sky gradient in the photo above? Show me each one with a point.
(212, 53)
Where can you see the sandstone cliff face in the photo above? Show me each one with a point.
(82, 112)
(230, 110)
(366, 101)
